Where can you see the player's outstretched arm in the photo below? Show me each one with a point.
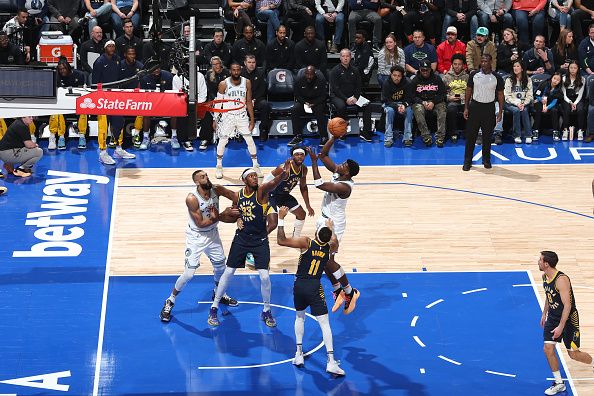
(268, 186)
(328, 163)
(300, 242)
(275, 172)
(225, 192)
(342, 189)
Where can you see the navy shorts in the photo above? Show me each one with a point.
(240, 248)
(276, 201)
(309, 293)
(571, 332)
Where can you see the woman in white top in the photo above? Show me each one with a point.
(518, 97)
(390, 55)
(573, 106)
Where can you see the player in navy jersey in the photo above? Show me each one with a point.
(559, 319)
(281, 195)
(307, 290)
(251, 237)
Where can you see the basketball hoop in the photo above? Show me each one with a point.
(202, 108)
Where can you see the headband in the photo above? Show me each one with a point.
(247, 172)
(299, 151)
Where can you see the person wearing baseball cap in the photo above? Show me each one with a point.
(448, 48)
(479, 46)
(429, 95)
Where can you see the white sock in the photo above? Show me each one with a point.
(173, 133)
(298, 227)
(557, 375)
(219, 162)
(324, 323)
(172, 298)
(146, 134)
(348, 289)
(300, 349)
(102, 151)
(299, 329)
(265, 288)
(255, 161)
(336, 286)
(222, 287)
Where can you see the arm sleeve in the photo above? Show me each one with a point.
(319, 7)
(340, 6)
(53, 10)
(581, 91)
(484, 7)
(507, 4)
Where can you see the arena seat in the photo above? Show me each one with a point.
(280, 90)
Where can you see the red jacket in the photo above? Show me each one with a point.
(528, 5)
(445, 52)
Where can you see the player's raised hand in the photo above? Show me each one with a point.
(287, 166)
(330, 224)
(312, 153)
(282, 212)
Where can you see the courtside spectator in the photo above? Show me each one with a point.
(390, 55)
(362, 56)
(360, 10)
(249, 45)
(218, 47)
(128, 39)
(280, 53)
(311, 51)
(330, 12)
(508, 50)
(455, 81)
(91, 50)
(538, 60)
(460, 13)
(122, 10)
(529, 16)
(419, 51)
(478, 47)
(449, 48)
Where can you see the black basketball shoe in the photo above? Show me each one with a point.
(166, 311)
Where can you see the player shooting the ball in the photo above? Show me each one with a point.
(337, 192)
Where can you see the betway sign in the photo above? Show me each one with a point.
(133, 103)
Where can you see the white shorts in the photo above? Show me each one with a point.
(207, 242)
(232, 125)
(338, 228)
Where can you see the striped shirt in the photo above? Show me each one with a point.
(484, 86)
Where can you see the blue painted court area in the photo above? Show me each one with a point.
(411, 334)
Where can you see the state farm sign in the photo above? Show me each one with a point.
(133, 103)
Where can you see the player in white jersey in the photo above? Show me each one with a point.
(236, 122)
(336, 194)
(202, 236)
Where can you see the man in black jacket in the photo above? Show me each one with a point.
(91, 50)
(362, 56)
(310, 92)
(258, 81)
(345, 90)
(128, 39)
(396, 100)
(217, 47)
(10, 54)
(429, 94)
(249, 45)
(310, 51)
(280, 52)
(302, 12)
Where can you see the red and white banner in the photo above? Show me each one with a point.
(133, 103)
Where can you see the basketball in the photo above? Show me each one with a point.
(337, 127)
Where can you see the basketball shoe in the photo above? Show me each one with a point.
(212, 317)
(298, 359)
(339, 297)
(166, 311)
(350, 301)
(226, 300)
(268, 319)
(555, 388)
(332, 367)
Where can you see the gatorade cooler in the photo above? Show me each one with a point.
(52, 45)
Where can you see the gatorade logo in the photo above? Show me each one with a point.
(282, 127)
(56, 52)
(281, 76)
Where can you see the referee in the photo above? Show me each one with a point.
(479, 111)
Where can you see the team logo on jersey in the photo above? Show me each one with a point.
(247, 211)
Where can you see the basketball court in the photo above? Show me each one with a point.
(446, 263)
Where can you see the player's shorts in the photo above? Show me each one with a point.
(207, 242)
(309, 293)
(240, 248)
(338, 227)
(278, 200)
(571, 331)
(232, 124)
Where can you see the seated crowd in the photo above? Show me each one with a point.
(419, 53)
